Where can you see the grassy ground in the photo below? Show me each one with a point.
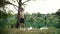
(34, 31)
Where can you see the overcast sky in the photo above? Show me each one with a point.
(42, 6)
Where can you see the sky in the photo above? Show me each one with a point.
(41, 6)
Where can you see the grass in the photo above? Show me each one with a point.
(34, 31)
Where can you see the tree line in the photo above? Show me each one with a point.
(35, 20)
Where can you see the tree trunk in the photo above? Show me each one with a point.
(20, 18)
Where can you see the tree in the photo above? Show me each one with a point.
(20, 18)
(58, 12)
(3, 18)
(58, 16)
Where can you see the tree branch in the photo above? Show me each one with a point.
(15, 8)
(10, 4)
(17, 1)
(26, 1)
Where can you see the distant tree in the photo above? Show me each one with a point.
(3, 18)
(38, 14)
(58, 16)
(58, 12)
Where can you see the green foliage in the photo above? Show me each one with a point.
(58, 12)
(38, 20)
(3, 18)
(34, 20)
(58, 25)
(11, 22)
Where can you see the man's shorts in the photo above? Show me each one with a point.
(21, 20)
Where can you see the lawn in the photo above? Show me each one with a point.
(33, 31)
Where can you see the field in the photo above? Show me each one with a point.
(33, 31)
